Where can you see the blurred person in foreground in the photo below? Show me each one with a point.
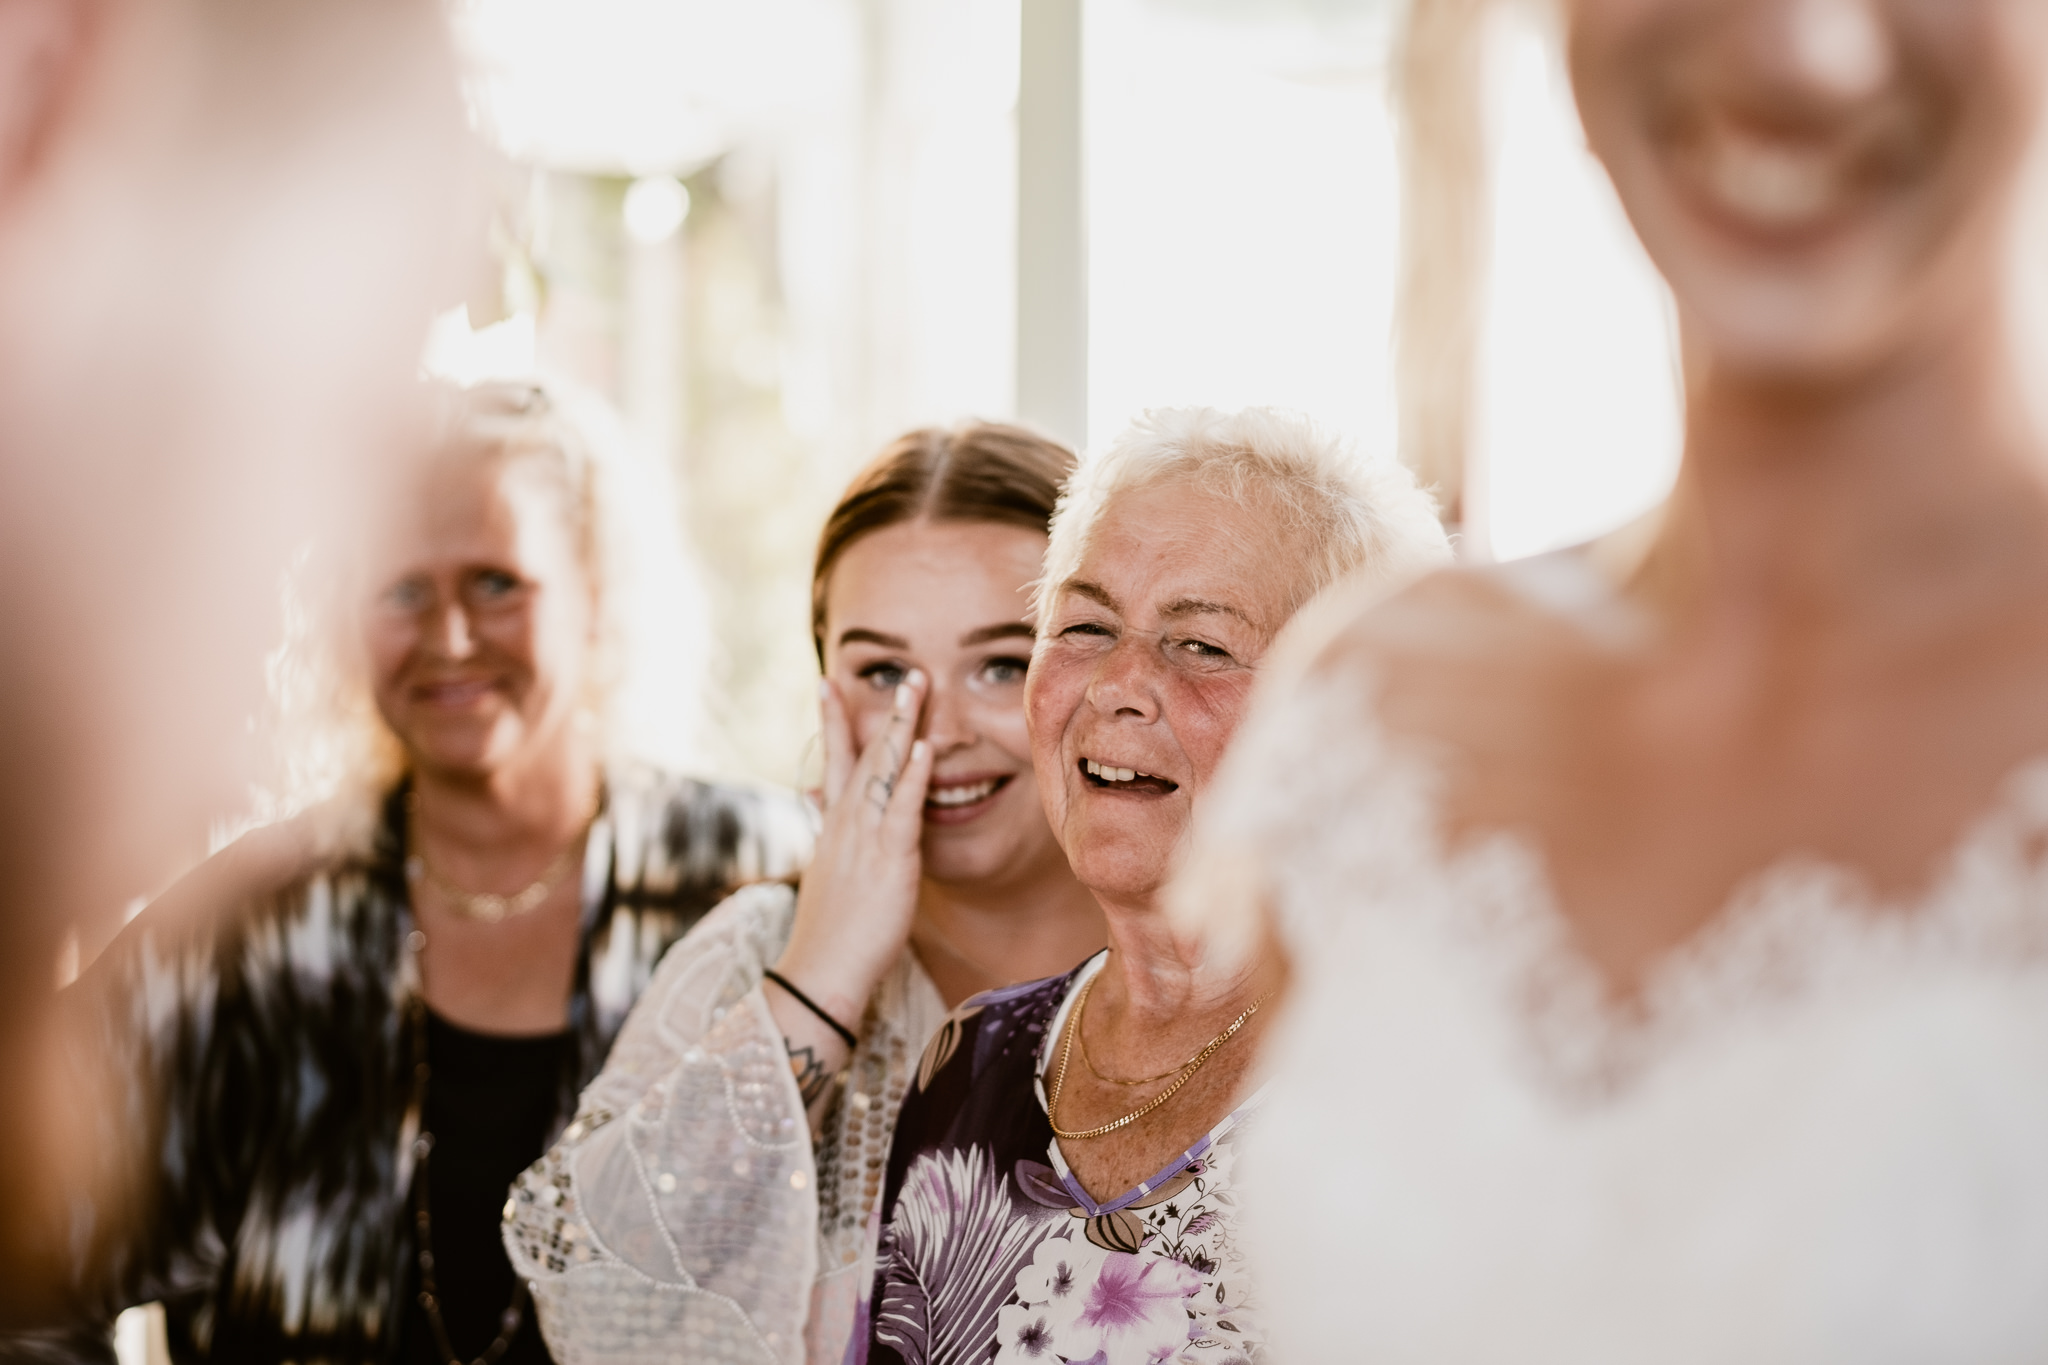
(1061, 1184)
(222, 226)
(338, 1041)
(1669, 917)
(715, 1199)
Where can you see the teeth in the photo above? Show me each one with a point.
(1771, 183)
(961, 796)
(1109, 774)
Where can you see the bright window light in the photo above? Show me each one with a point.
(655, 207)
(1579, 417)
(1241, 188)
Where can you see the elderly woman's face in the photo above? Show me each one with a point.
(1817, 179)
(1143, 665)
(479, 629)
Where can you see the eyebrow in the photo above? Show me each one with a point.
(1008, 630)
(1177, 609)
(1094, 592)
(860, 636)
(1201, 606)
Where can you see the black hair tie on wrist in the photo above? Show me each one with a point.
(813, 1006)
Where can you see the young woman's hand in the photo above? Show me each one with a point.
(854, 908)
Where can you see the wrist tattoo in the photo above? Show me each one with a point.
(812, 1079)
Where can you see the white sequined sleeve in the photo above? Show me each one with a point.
(677, 1217)
(684, 1216)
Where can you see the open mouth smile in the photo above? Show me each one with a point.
(1109, 777)
(1800, 182)
(948, 802)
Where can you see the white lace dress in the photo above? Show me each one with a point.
(684, 1215)
(1826, 1142)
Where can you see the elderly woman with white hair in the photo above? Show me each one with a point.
(1061, 1186)
(416, 978)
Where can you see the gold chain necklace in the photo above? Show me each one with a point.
(487, 906)
(1194, 1064)
(1081, 1036)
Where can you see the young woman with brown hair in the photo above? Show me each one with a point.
(715, 1198)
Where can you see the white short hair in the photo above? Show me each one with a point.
(1353, 515)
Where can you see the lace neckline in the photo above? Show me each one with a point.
(1787, 931)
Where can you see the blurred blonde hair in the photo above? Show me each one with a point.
(1439, 75)
(1354, 515)
(331, 749)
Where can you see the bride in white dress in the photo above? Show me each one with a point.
(1669, 919)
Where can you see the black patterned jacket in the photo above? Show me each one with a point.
(260, 1074)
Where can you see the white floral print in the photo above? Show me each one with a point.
(1177, 1296)
(992, 1251)
(1109, 1304)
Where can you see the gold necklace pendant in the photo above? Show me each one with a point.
(487, 906)
(1186, 1071)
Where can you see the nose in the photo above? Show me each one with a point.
(946, 725)
(449, 632)
(1827, 50)
(1125, 681)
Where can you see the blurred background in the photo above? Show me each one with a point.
(775, 234)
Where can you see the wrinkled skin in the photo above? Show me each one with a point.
(1145, 663)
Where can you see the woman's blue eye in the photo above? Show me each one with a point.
(1008, 669)
(1202, 649)
(883, 676)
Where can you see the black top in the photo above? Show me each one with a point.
(491, 1104)
(255, 1042)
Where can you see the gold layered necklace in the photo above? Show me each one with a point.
(1081, 1037)
(1181, 1073)
(487, 906)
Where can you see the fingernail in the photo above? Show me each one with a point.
(918, 749)
(824, 688)
(903, 695)
(915, 677)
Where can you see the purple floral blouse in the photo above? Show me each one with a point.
(992, 1251)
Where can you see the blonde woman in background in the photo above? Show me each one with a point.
(715, 1199)
(337, 1042)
